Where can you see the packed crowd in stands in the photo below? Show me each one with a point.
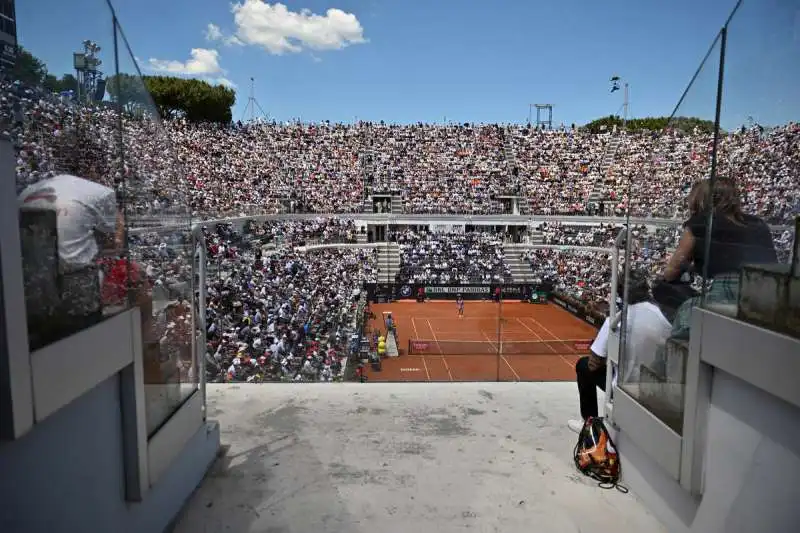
(578, 235)
(462, 169)
(321, 168)
(277, 313)
(585, 275)
(303, 232)
(450, 258)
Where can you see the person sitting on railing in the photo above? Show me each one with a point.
(646, 329)
(736, 240)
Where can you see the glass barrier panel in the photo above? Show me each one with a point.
(69, 161)
(660, 175)
(757, 182)
(160, 252)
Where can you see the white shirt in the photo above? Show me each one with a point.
(647, 329)
(82, 207)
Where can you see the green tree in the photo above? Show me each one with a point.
(129, 91)
(28, 69)
(196, 100)
(66, 83)
(654, 124)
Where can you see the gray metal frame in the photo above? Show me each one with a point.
(16, 388)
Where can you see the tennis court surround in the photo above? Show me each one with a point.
(528, 343)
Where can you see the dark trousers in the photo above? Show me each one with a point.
(587, 381)
(670, 296)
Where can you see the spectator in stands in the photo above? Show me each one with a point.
(279, 313)
(646, 328)
(450, 258)
(736, 239)
(90, 229)
(270, 167)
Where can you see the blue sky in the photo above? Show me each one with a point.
(469, 61)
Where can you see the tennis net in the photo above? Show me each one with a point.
(540, 347)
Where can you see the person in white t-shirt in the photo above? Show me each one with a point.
(647, 329)
(88, 221)
(84, 211)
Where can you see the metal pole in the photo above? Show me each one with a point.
(199, 243)
(625, 108)
(499, 329)
(252, 99)
(713, 178)
(612, 296)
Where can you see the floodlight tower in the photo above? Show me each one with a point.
(87, 70)
(615, 83)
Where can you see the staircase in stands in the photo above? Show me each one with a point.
(520, 269)
(510, 155)
(397, 204)
(606, 163)
(388, 262)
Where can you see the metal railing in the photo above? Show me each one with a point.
(199, 346)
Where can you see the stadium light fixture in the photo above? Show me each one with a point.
(616, 81)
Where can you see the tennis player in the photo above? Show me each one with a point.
(460, 305)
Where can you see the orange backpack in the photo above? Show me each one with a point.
(596, 455)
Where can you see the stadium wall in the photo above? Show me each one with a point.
(593, 317)
(734, 466)
(79, 451)
(363, 219)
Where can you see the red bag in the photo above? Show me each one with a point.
(118, 276)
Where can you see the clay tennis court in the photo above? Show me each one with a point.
(539, 342)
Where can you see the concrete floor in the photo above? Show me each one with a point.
(402, 457)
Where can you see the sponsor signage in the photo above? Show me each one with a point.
(384, 292)
(469, 292)
(455, 289)
(582, 346)
(420, 346)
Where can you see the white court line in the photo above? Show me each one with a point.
(425, 364)
(416, 334)
(503, 357)
(560, 356)
(444, 359)
(555, 337)
(414, 325)
(526, 326)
